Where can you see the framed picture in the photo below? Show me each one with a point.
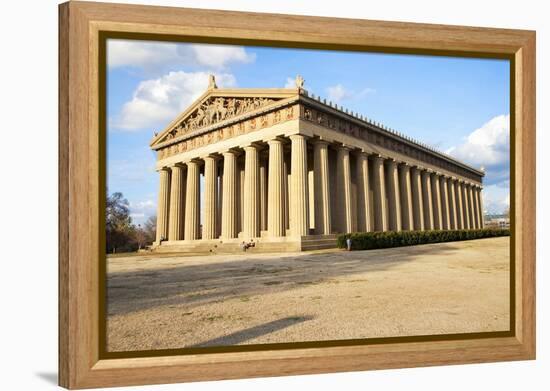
(246, 195)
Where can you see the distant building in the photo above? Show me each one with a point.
(497, 221)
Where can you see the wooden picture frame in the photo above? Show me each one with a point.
(82, 167)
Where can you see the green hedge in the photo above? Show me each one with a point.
(372, 240)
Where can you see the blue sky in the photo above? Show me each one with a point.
(458, 105)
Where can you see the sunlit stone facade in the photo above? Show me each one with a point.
(289, 171)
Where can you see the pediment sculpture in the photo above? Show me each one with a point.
(217, 109)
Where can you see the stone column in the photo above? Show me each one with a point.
(465, 205)
(407, 220)
(286, 190)
(379, 195)
(263, 195)
(472, 208)
(363, 192)
(436, 201)
(240, 197)
(445, 213)
(428, 202)
(452, 203)
(177, 203)
(343, 184)
(321, 188)
(480, 203)
(417, 199)
(220, 198)
(192, 201)
(210, 201)
(229, 196)
(394, 199)
(276, 197)
(299, 220)
(163, 204)
(459, 205)
(251, 226)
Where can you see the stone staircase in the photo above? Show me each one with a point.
(318, 242)
(307, 243)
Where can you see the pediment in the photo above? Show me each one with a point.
(220, 105)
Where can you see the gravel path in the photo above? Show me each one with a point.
(164, 302)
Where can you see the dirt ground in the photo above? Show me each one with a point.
(160, 302)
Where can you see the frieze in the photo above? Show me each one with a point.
(374, 137)
(215, 110)
(239, 128)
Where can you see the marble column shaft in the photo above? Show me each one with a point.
(263, 194)
(343, 184)
(436, 201)
(276, 197)
(379, 195)
(473, 217)
(210, 200)
(460, 205)
(445, 212)
(299, 221)
(480, 203)
(417, 198)
(405, 190)
(251, 226)
(163, 204)
(465, 205)
(192, 202)
(321, 188)
(177, 203)
(229, 196)
(428, 202)
(363, 193)
(452, 203)
(394, 204)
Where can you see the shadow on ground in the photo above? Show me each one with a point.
(254, 332)
(242, 276)
(48, 377)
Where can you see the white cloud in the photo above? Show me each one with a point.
(290, 82)
(159, 56)
(496, 199)
(158, 101)
(143, 206)
(487, 146)
(338, 93)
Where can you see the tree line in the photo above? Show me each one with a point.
(122, 234)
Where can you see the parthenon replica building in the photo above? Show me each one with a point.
(289, 171)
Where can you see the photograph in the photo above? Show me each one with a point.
(263, 195)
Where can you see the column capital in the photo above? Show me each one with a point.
(319, 141)
(298, 136)
(164, 168)
(213, 156)
(344, 147)
(178, 164)
(253, 144)
(231, 151)
(275, 140)
(377, 157)
(392, 162)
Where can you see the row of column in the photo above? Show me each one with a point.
(375, 194)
